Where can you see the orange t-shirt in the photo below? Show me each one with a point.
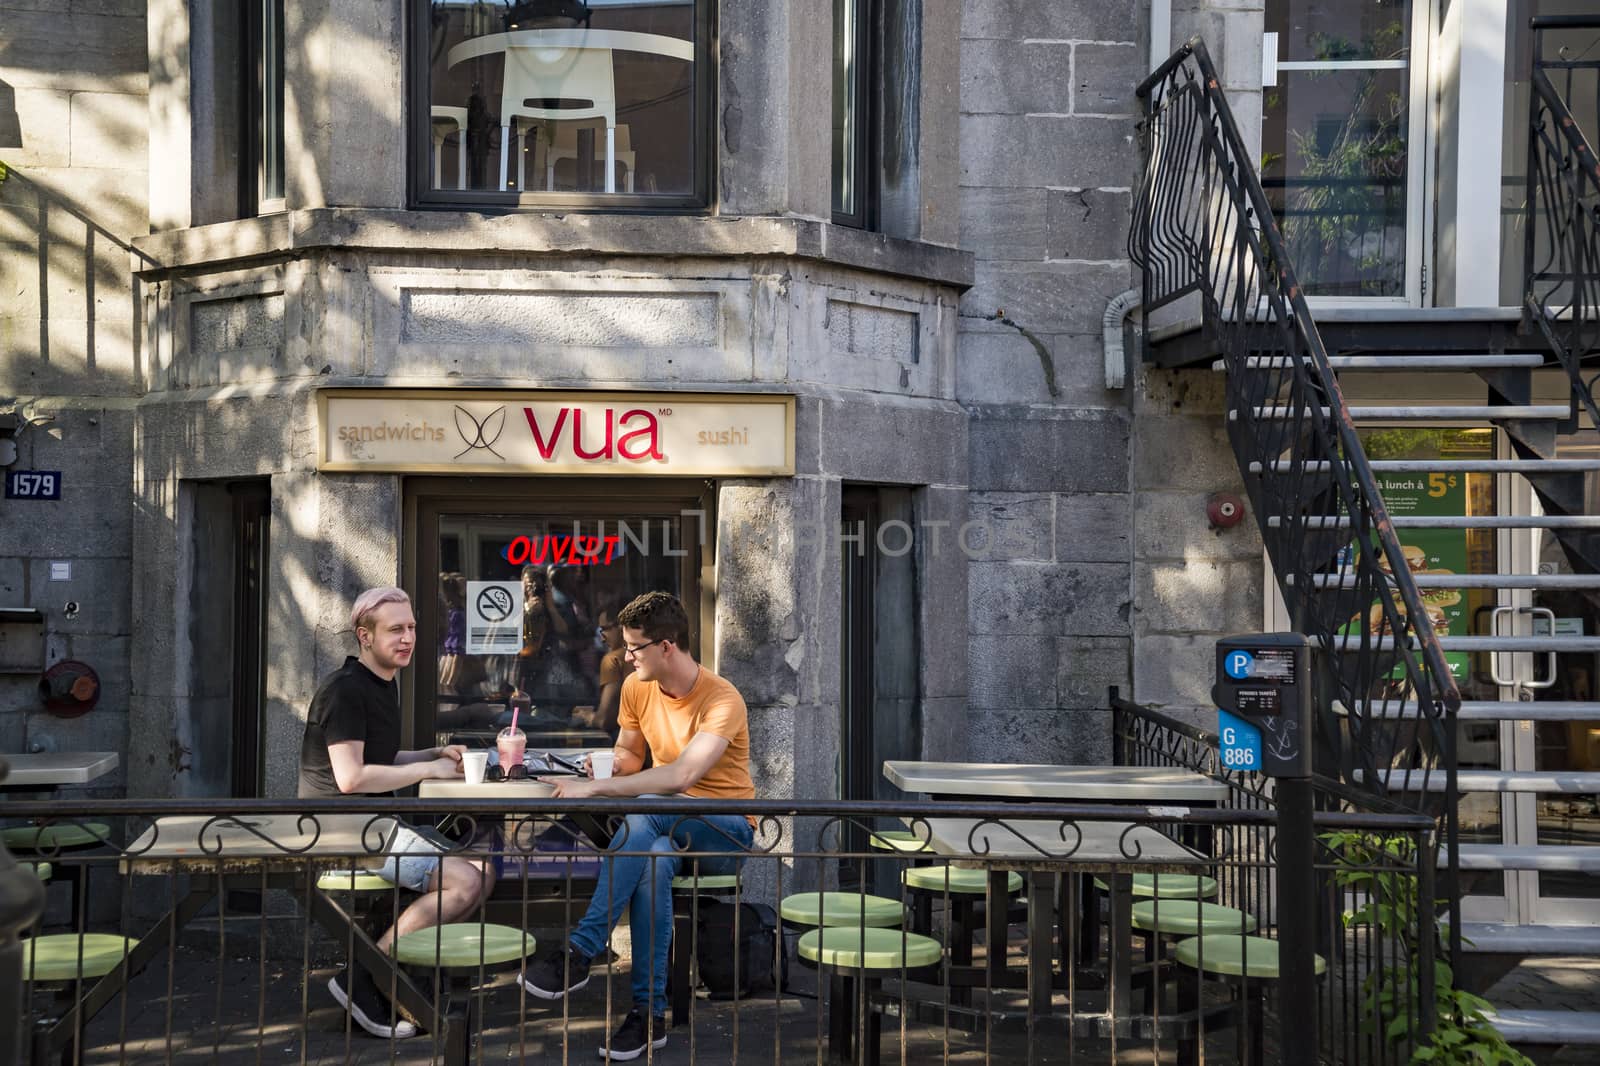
(713, 706)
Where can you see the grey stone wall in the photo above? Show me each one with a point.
(72, 136)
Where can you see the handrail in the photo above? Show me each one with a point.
(1204, 232)
(1562, 281)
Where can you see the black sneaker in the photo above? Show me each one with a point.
(368, 1006)
(555, 972)
(631, 1038)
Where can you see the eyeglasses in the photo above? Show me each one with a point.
(631, 649)
(495, 773)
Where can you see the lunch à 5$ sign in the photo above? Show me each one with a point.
(506, 432)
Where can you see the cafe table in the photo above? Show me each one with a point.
(52, 769)
(1042, 848)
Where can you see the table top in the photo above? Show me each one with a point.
(610, 40)
(1088, 846)
(50, 768)
(256, 841)
(1124, 784)
(528, 788)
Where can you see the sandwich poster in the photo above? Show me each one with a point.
(1429, 553)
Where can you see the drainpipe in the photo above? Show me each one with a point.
(1120, 307)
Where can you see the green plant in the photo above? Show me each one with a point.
(1379, 870)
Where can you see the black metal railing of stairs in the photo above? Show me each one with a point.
(1203, 234)
(1561, 250)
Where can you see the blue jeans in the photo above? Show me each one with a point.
(642, 881)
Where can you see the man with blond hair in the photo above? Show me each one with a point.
(352, 745)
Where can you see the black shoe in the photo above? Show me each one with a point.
(555, 972)
(368, 1006)
(631, 1038)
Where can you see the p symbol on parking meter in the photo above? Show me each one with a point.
(1239, 664)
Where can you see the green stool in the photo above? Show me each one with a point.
(64, 959)
(352, 881)
(54, 841)
(966, 889)
(460, 950)
(840, 908)
(370, 899)
(1249, 964)
(900, 840)
(680, 964)
(1168, 886)
(1155, 918)
(852, 954)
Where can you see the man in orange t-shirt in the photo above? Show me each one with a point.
(695, 726)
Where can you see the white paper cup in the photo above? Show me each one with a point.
(474, 764)
(601, 762)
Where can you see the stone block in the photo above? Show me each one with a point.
(13, 722)
(13, 577)
(1043, 735)
(758, 616)
(103, 729)
(1006, 223)
(1104, 77)
(55, 49)
(1009, 527)
(1045, 297)
(109, 130)
(1015, 78)
(1174, 393)
(1011, 671)
(1093, 527)
(775, 757)
(943, 592)
(1037, 151)
(1173, 525)
(1005, 367)
(944, 727)
(100, 589)
(1183, 453)
(892, 440)
(1034, 600)
(1067, 451)
(1087, 224)
(40, 129)
(1198, 596)
(1115, 20)
(1087, 667)
(1175, 671)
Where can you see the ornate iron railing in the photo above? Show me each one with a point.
(1203, 233)
(1561, 251)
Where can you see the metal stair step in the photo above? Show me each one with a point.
(1486, 412)
(1552, 858)
(1534, 645)
(1580, 1028)
(1504, 939)
(1583, 521)
(1581, 782)
(1548, 582)
(1492, 710)
(1443, 466)
(1466, 361)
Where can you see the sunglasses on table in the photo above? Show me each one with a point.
(495, 773)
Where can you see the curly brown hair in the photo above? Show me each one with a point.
(659, 615)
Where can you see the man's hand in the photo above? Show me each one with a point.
(445, 767)
(453, 751)
(575, 788)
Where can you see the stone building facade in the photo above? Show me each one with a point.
(168, 354)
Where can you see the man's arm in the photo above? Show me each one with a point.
(353, 775)
(444, 751)
(681, 774)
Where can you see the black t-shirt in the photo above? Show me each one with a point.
(352, 704)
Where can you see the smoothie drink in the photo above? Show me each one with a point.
(511, 743)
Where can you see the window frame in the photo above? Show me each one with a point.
(421, 195)
(259, 104)
(864, 215)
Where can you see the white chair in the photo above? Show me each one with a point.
(444, 117)
(550, 74)
(565, 146)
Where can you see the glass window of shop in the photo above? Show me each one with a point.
(518, 593)
(605, 104)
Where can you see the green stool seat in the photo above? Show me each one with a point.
(344, 881)
(705, 883)
(463, 945)
(1235, 956)
(1186, 917)
(57, 957)
(52, 837)
(858, 947)
(897, 840)
(840, 908)
(959, 882)
(41, 870)
(1168, 886)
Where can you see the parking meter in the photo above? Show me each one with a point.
(1263, 694)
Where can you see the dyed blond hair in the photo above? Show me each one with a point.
(368, 602)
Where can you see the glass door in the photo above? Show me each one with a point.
(1343, 143)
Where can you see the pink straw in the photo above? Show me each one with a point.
(515, 710)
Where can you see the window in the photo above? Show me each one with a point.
(261, 175)
(561, 102)
(852, 113)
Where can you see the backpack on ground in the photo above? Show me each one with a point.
(755, 967)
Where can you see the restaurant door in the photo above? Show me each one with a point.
(517, 583)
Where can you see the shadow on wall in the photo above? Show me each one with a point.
(10, 124)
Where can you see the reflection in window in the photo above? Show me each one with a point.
(261, 177)
(556, 656)
(562, 99)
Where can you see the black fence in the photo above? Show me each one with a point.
(1019, 932)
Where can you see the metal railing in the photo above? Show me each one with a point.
(1561, 251)
(1203, 232)
(233, 941)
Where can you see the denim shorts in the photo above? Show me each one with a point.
(409, 871)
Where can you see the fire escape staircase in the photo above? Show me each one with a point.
(1209, 248)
